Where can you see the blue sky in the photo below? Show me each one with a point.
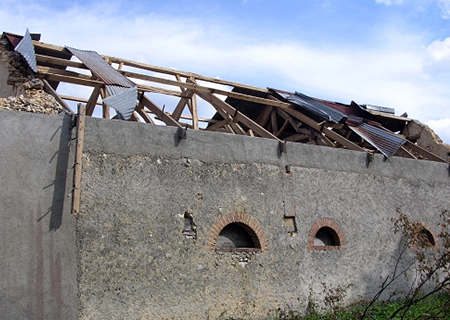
(393, 53)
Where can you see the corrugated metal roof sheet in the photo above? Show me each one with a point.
(122, 92)
(101, 68)
(123, 100)
(385, 142)
(26, 49)
(317, 108)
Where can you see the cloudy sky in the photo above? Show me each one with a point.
(393, 53)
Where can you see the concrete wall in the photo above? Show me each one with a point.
(38, 262)
(140, 180)
(5, 89)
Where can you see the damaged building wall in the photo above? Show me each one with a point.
(153, 206)
(38, 262)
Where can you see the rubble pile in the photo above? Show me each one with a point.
(32, 99)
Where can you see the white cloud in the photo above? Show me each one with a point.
(438, 57)
(389, 2)
(445, 8)
(442, 128)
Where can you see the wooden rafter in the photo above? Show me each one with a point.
(275, 119)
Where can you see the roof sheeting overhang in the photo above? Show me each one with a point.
(26, 49)
(385, 142)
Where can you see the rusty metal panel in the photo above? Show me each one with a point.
(26, 49)
(317, 108)
(385, 142)
(101, 68)
(121, 99)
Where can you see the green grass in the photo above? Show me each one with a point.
(436, 307)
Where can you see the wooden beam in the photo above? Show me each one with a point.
(402, 152)
(273, 120)
(49, 89)
(59, 61)
(76, 99)
(181, 104)
(92, 102)
(264, 116)
(217, 125)
(78, 159)
(329, 133)
(298, 137)
(164, 117)
(147, 67)
(283, 127)
(105, 108)
(217, 103)
(197, 88)
(140, 110)
(194, 112)
(286, 116)
(53, 74)
(424, 153)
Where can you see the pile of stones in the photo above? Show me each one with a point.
(32, 99)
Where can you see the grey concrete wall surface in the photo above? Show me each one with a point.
(5, 89)
(139, 180)
(38, 262)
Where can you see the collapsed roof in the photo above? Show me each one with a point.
(125, 89)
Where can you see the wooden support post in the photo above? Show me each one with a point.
(78, 159)
(92, 102)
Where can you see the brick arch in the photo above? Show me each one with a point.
(249, 223)
(426, 227)
(327, 223)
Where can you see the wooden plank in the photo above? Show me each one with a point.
(74, 79)
(49, 89)
(194, 112)
(286, 116)
(92, 102)
(249, 123)
(153, 68)
(329, 133)
(164, 117)
(53, 74)
(237, 128)
(297, 137)
(217, 125)
(59, 61)
(181, 104)
(273, 119)
(105, 108)
(197, 88)
(140, 110)
(424, 153)
(283, 128)
(78, 159)
(402, 152)
(76, 99)
(264, 116)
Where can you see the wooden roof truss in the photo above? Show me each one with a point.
(275, 119)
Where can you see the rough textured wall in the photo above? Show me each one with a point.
(38, 262)
(141, 185)
(5, 89)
